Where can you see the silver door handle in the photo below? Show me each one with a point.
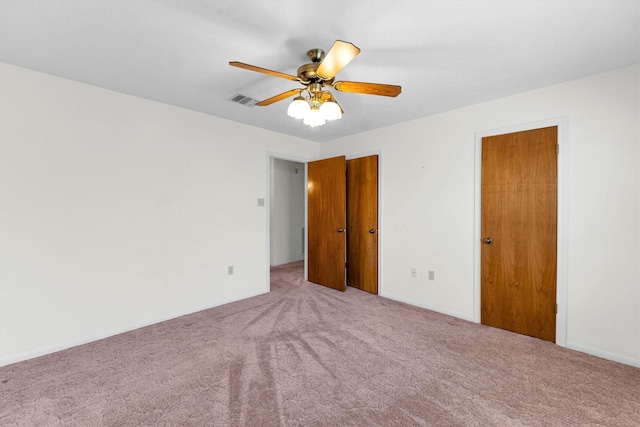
(372, 231)
(340, 230)
(487, 240)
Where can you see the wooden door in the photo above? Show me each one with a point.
(327, 222)
(362, 223)
(519, 216)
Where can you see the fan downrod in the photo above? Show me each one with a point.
(315, 55)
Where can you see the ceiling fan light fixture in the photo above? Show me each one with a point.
(299, 108)
(314, 118)
(319, 105)
(331, 110)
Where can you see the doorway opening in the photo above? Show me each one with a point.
(286, 216)
(287, 212)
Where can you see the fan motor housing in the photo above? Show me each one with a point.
(307, 73)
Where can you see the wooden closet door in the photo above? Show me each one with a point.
(327, 222)
(519, 226)
(362, 223)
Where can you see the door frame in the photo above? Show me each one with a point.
(562, 227)
(267, 205)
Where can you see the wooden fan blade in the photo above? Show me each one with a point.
(280, 97)
(368, 88)
(262, 70)
(340, 54)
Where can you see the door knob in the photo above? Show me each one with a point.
(340, 230)
(372, 231)
(487, 240)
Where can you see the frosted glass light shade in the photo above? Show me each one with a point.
(331, 110)
(299, 108)
(314, 118)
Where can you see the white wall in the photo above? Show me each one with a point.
(117, 212)
(287, 216)
(427, 169)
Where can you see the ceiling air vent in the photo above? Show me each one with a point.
(243, 100)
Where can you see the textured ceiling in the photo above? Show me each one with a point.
(444, 54)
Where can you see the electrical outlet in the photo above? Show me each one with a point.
(260, 202)
(432, 275)
(230, 270)
(414, 273)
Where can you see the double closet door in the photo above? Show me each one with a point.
(343, 223)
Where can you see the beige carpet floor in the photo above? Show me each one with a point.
(305, 355)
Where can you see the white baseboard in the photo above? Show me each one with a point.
(571, 345)
(604, 354)
(42, 351)
(429, 307)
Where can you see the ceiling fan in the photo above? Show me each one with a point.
(313, 103)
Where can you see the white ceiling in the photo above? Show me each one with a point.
(444, 54)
